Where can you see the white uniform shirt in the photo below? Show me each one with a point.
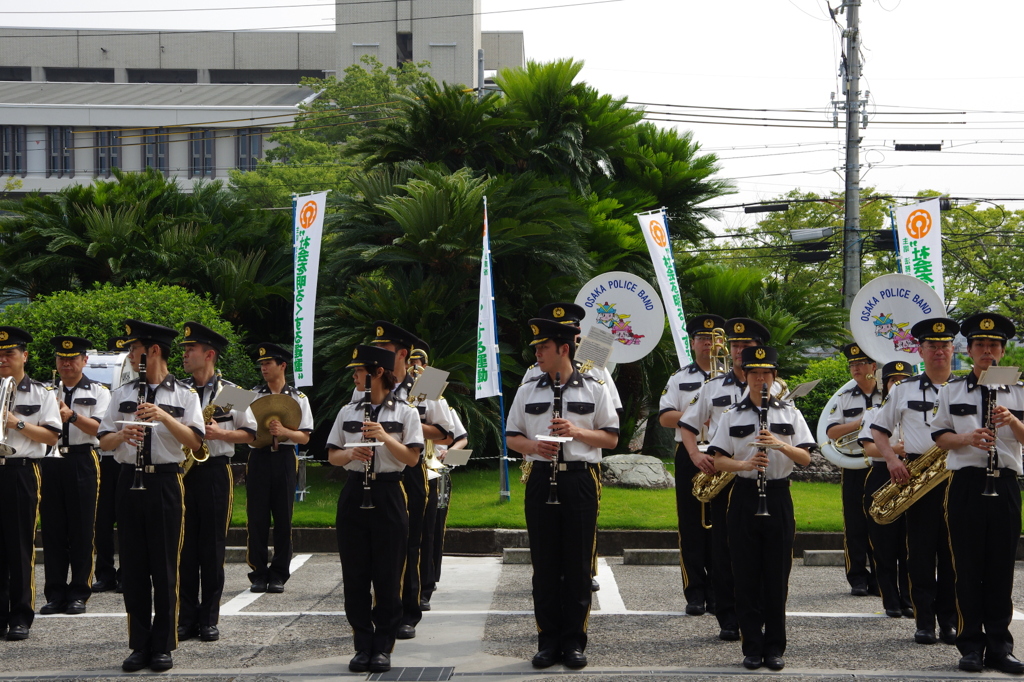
(682, 386)
(711, 401)
(34, 403)
(432, 412)
(88, 399)
(851, 405)
(396, 417)
(738, 428)
(235, 419)
(305, 420)
(865, 435)
(458, 429)
(585, 403)
(172, 396)
(599, 373)
(910, 404)
(961, 409)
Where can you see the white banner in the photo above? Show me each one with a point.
(653, 225)
(919, 243)
(307, 232)
(488, 381)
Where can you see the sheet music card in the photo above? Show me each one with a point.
(595, 348)
(429, 385)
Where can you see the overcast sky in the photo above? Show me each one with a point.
(925, 61)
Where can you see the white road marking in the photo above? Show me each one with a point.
(609, 597)
(235, 606)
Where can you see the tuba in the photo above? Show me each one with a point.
(844, 452)
(892, 499)
(7, 394)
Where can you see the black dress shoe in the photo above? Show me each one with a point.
(17, 633)
(360, 663)
(545, 658)
(406, 631)
(751, 662)
(695, 609)
(424, 605)
(187, 632)
(908, 611)
(208, 633)
(729, 635)
(859, 590)
(275, 586)
(160, 662)
(75, 607)
(1006, 663)
(103, 585)
(574, 658)
(119, 589)
(138, 660)
(52, 607)
(894, 613)
(924, 636)
(594, 585)
(380, 662)
(947, 635)
(258, 586)
(774, 662)
(971, 662)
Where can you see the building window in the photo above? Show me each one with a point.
(60, 152)
(250, 148)
(154, 149)
(12, 145)
(404, 42)
(201, 143)
(106, 151)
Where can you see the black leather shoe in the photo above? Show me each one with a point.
(380, 663)
(75, 607)
(774, 662)
(119, 589)
(258, 586)
(971, 662)
(406, 631)
(52, 607)
(574, 658)
(947, 635)
(1006, 663)
(729, 635)
(208, 633)
(160, 662)
(360, 663)
(17, 633)
(103, 585)
(752, 662)
(275, 586)
(138, 660)
(908, 611)
(695, 609)
(424, 605)
(894, 613)
(923, 636)
(859, 590)
(545, 658)
(594, 585)
(187, 632)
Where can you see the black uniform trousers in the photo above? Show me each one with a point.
(562, 538)
(695, 550)
(440, 525)
(149, 529)
(270, 491)
(856, 545)
(762, 560)
(428, 569)
(372, 544)
(929, 563)
(208, 503)
(414, 480)
(722, 578)
(19, 506)
(983, 534)
(888, 546)
(110, 470)
(67, 512)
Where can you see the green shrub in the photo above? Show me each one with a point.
(833, 372)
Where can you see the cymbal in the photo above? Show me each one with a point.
(283, 408)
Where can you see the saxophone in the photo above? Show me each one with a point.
(707, 486)
(892, 499)
(191, 456)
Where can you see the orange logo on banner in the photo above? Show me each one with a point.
(307, 215)
(658, 232)
(919, 223)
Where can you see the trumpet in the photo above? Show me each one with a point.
(721, 361)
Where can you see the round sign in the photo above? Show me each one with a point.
(627, 307)
(884, 311)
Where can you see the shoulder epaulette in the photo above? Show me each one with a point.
(300, 393)
(49, 387)
(531, 379)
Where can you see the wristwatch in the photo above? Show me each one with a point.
(73, 418)
(20, 425)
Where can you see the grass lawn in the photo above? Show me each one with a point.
(475, 504)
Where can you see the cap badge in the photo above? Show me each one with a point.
(987, 324)
(558, 312)
(855, 350)
(355, 353)
(263, 351)
(739, 328)
(938, 327)
(535, 329)
(188, 331)
(119, 343)
(709, 323)
(759, 353)
(380, 331)
(899, 366)
(67, 345)
(127, 329)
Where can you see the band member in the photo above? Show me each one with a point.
(209, 488)
(436, 426)
(846, 418)
(703, 413)
(270, 479)
(461, 440)
(762, 545)
(67, 507)
(985, 457)
(909, 407)
(150, 518)
(373, 520)
(106, 576)
(889, 540)
(32, 424)
(694, 531)
(562, 536)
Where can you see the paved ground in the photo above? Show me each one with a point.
(482, 627)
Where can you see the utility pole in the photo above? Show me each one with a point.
(852, 242)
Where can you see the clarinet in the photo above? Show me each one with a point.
(762, 473)
(368, 464)
(140, 449)
(991, 470)
(556, 413)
